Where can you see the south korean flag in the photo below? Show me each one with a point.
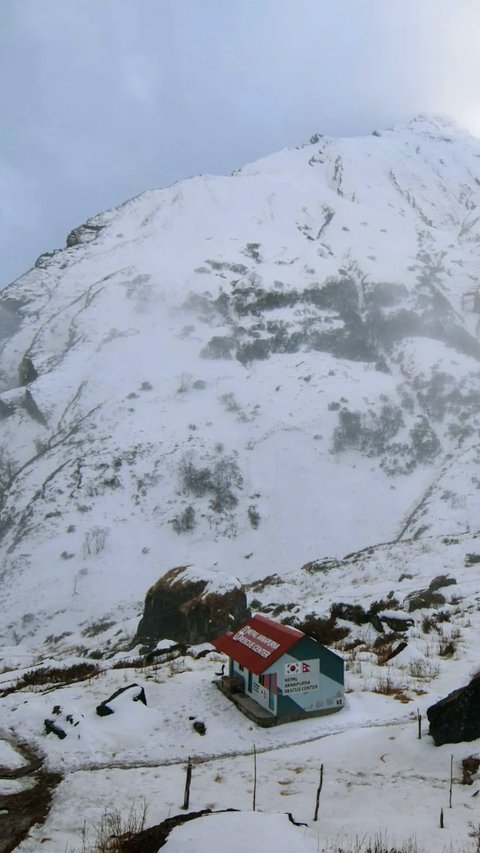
(292, 668)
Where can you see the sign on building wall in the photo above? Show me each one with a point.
(258, 643)
(301, 676)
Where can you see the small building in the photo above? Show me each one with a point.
(278, 674)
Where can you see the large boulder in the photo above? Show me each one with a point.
(192, 606)
(457, 717)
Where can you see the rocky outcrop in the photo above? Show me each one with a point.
(83, 234)
(457, 717)
(396, 622)
(192, 606)
(429, 597)
(27, 372)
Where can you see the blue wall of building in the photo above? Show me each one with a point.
(309, 679)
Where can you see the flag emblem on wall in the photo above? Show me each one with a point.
(296, 667)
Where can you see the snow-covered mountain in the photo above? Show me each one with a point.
(248, 373)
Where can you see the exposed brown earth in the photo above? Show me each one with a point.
(22, 810)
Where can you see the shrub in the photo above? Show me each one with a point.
(114, 829)
(428, 622)
(218, 347)
(370, 433)
(447, 647)
(379, 844)
(94, 541)
(325, 631)
(218, 481)
(424, 441)
(423, 669)
(96, 628)
(256, 350)
(53, 675)
(388, 687)
(185, 521)
(252, 250)
(351, 612)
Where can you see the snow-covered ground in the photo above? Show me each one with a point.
(380, 779)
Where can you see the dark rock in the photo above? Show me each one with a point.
(441, 581)
(199, 727)
(51, 727)
(26, 371)
(350, 612)
(193, 607)
(424, 598)
(107, 707)
(44, 259)
(457, 717)
(376, 622)
(203, 654)
(397, 623)
(83, 234)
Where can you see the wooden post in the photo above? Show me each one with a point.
(254, 804)
(419, 719)
(451, 782)
(317, 802)
(441, 818)
(188, 779)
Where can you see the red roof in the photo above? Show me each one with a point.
(258, 643)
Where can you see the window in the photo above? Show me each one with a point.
(240, 666)
(261, 680)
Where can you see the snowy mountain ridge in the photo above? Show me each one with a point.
(247, 373)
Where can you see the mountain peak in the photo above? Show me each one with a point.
(206, 359)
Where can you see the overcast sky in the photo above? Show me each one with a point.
(101, 99)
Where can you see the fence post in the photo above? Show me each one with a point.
(188, 779)
(317, 802)
(419, 719)
(254, 804)
(451, 782)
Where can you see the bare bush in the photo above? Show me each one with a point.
(53, 675)
(114, 829)
(387, 686)
(94, 542)
(325, 631)
(423, 669)
(218, 481)
(184, 521)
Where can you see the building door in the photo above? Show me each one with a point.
(249, 688)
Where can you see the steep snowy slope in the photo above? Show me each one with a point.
(246, 372)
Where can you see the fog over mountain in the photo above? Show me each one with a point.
(248, 373)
